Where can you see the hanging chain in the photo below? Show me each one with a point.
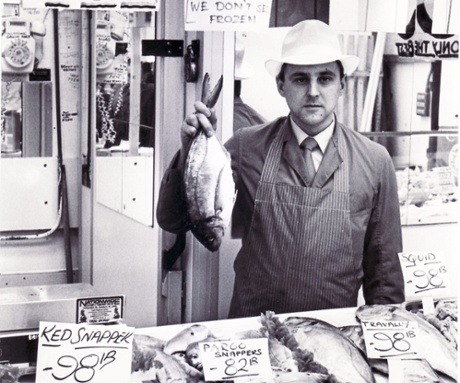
(107, 129)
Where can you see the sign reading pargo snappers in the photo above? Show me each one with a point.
(222, 15)
(235, 359)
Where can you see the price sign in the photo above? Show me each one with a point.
(425, 274)
(235, 359)
(391, 339)
(212, 15)
(73, 353)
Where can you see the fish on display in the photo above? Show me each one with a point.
(434, 348)
(444, 317)
(208, 179)
(413, 370)
(144, 351)
(320, 348)
(332, 349)
(191, 334)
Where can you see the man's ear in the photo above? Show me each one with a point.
(280, 85)
(343, 81)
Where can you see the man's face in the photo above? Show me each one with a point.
(312, 93)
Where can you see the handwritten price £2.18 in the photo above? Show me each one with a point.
(82, 370)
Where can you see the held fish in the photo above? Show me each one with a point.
(434, 348)
(208, 179)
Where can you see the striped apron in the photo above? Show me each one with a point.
(298, 252)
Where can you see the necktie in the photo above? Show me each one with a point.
(308, 145)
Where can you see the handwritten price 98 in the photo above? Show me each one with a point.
(396, 342)
(82, 370)
(429, 280)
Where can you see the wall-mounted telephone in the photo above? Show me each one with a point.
(18, 44)
(105, 47)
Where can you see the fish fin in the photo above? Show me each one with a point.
(205, 89)
(209, 97)
(214, 96)
(171, 255)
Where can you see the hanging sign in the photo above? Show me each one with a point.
(235, 359)
(391, 339)
(212, 15)
(93, 4)
(75, 353)
(425, 275)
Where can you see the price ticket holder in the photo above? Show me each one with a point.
(19, 349)
(426, 278)
(394, 341)
(83, 353)
(246, 358)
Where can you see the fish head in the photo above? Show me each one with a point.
(180, 342)
(210, 233)
(375, 312)
(193, 356)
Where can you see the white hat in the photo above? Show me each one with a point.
(311, 42)
(243, 69)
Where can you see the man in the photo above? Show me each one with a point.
(307, 244)
(243, 114)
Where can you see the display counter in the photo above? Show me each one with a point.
(417, 342)
(173, 351)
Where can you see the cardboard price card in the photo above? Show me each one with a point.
(391, 339)
(235, 359)
(425, 274)
(212, 15)
(83, 353)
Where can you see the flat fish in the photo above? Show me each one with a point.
(208, 179)
(332, 349)
(435, 349)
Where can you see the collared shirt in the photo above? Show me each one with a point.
(321, 138)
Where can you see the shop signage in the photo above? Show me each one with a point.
(150, 5)
(212, 15)
(83, 353)
(235, 359)
(425, 275)
(391, 339)
(100, 309)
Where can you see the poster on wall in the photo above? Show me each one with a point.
(207, 15)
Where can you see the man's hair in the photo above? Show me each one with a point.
(283, 68)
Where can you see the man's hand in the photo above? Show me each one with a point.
(204, 118)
